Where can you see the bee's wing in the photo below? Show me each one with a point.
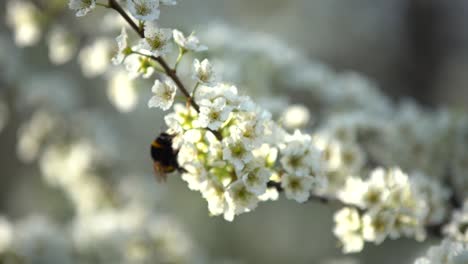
(159, 173)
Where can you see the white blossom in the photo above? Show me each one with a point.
(203, 71)
(297, 187)
(239, 200)
(255, 178)
(82, 7)
(214, 113)
(123, 49)
(196, 176)
(23, 17)
(190, 43)
(164, 93)
(214, 195)
(147, 10)
(236, 152)
(156, 41)
(348, 225)
(138, 66)
(181, 119)
(299, 156)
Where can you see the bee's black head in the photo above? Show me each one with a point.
(165, 139)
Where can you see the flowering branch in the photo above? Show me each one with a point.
(170, 72)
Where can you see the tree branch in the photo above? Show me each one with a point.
(170, 72)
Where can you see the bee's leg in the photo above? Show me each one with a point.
(159, 175)
(181, 169)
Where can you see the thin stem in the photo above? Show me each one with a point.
(103, 5)
(195, 89)
(182, 51)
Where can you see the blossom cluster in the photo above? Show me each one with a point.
(457, 229)
(448, 252)
(129, 236)
(391, 204)
(233, 172)
(358, 129)
(229, 147)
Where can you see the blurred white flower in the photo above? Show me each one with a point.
(122, 92)
(341, 260)
(168, 2)
(190, 43)
(82, 7)
(435, 196)
(75, 159)
(38, 240)
(457, 228)
(4, 113)
(6, 234)
(203, 71)
(271, 194)
(147, 10)
(347, 229)
(297, 187)
(377, 224)
(376, 192)
(23, 16)
(164, 93)
(448, 252)
(300, 157)
(295, 116)
(61, 46)
(32, 135)
(131, 235)
(95, 58)
(156, 41)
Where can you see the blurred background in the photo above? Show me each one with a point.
(409, 48)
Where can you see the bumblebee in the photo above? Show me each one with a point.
(164, 156)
